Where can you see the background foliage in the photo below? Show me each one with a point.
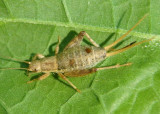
(32, 26)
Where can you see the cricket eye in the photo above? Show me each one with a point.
(35, 70)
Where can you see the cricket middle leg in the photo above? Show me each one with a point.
(64, 77)
(57, 47)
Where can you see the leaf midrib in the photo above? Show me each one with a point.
(80, 26)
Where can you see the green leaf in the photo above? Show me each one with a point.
(33, 26)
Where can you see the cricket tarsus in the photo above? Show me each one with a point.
(77, 60)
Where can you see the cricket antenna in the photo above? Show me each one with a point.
(3, 57)
(13, 68)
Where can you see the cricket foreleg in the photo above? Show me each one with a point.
(40, 78)
(64, 77)
(78, 39)
(57, 47)
(39, 56)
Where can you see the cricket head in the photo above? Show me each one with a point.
(35, 66)
(44, 65)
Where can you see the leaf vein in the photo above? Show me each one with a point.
(3, 104)
(66, 11)
(7, 7)
(80, 26)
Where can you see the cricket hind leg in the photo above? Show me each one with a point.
(78, 73)
(78, 39)
(123, 36)
(114, 66)
(84, 72)
(64, 77)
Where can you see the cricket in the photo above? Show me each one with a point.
(77, 60)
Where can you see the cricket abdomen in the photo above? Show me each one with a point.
(80, 57)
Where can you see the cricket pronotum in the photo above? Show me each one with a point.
(77, 60)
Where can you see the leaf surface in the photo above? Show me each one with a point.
(30, 27)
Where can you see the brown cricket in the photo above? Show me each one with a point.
(77, 60)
